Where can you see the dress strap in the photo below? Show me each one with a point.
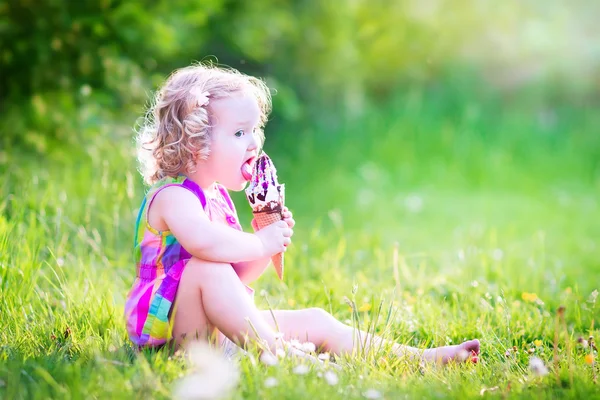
(227, 198)
(196, 189)
(231, 214)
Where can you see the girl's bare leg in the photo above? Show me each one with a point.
(211, 295)
(327, 333)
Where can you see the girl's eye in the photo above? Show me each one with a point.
(239, 134)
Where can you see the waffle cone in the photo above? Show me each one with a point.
(264, 218)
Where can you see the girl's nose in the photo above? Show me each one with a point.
(254, 142)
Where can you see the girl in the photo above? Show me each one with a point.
(200, 139)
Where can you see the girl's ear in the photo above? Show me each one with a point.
(196, 159)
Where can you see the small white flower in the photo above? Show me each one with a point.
(201, 97)
(85, 90)
(214, 376)
(497, 254)
(301, 369)
(270, 382)
(323, 356)
(331, 378)
(280, 353)
(372, 394)
(296, 344)
(268, 358)
(309, 347)
(593, 297)
(413, 203)
(537, 367)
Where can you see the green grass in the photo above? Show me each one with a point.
(484, 201)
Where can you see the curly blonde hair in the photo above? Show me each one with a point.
(176, 130)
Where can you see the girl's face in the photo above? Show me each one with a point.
(234, 143)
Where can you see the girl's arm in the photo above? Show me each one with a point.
(249, 271)
(179, 210)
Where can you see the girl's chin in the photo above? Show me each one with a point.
(237, 186)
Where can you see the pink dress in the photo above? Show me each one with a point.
(160, 261)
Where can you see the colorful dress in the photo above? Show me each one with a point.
(160, 261)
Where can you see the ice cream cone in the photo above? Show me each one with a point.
(265, 218)
(267, 197)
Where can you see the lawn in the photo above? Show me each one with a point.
(439, 219)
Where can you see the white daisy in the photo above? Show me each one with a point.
(280, 353)
(270, 382)
(214, 376)
(331, 378)
(268, 358)
(309, 347)
(301, 369)
(537, 367)
(372, 394)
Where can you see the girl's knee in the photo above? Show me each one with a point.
(198, 271)
(198, 263)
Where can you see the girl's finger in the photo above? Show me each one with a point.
(288, 233)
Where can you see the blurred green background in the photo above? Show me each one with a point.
(70, 68)
(465, 131)
(372, 99)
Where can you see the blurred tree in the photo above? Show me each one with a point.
(55, 44)
(56, 55)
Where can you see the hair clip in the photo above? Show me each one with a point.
(201, 97)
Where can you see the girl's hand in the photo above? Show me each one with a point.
(287, 217)
(275, 238)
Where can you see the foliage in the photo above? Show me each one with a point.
(57, 54)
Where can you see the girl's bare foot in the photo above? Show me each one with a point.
(466, 351)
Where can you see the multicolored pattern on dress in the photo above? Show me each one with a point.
(160, 261)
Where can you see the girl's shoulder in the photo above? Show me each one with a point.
(167, 181)
(157, 200)
(156, 191)
(177, 181)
